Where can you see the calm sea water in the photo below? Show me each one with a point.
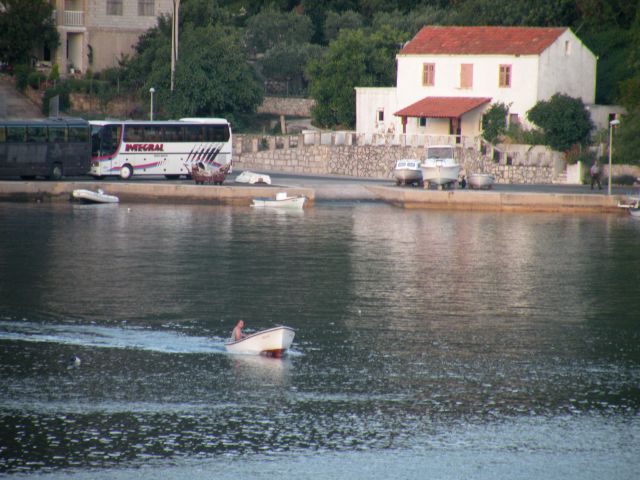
(429, 344)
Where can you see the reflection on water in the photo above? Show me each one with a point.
(489, 340)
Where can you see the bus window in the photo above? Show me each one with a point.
(217, 133)
(78, 134)
(193, 133)
(36, 133)
(134, 133)
(152, 133)
(57, 134)
(3, 134)
(17, 134)
(172, 134)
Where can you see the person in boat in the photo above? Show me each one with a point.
(237, 331)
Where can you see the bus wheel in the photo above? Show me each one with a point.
(56, 172)
(126, 172)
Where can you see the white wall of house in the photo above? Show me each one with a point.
(568, 67)
(371, 100)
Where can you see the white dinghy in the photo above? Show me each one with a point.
(272, 342)
(282, 200)
(89, 196)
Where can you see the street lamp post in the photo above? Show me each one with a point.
(612, 124)
(174, 41)
(151, 91)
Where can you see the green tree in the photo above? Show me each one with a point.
(354, 59)
(335, 22)
(271, 27)
(564, 120)
(286, 63)
(494, 122)
(213, 76)
(24, 26)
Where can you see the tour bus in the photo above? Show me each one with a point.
(168, 148)
(48, 148)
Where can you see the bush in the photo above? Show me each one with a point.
(35, 79)
(22, 76)
(525, 137)
(61, 90)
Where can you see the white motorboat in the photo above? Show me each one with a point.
(282, 200)
(440, 167)
(89, 196)
(635, 212)
(253, 178)
(481, 180)
(407, 171)
(272, 342)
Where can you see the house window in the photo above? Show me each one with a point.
(505, 76)
(428, 74)
(466, 75)
(146, 8)
(422, 121)
(114, 7)
(514, 119)
(380, 115)
(567, 48)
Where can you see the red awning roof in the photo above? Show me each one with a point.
(442, 107)
(437, 40)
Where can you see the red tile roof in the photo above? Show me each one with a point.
(442, 107)
(482, 40)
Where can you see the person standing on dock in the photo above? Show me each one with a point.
(594, 171)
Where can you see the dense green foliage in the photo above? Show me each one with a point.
(494, 122)
(355, 58)
(25, 25)
(564, 120)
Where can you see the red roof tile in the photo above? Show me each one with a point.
(482, 40)
(442, 107)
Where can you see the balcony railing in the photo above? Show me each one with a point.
(73, 18)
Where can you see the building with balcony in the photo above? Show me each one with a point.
(95, 34)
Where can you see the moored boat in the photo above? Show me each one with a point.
(407, 171)
(89, 196)
(440, 167)
(273, 342)
(481, 180)
(282, 200)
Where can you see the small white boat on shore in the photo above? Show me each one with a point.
(272, 342)
(252, 178)
(481, 180)
(282, 200)
(89, 196)
(440, 167)
(407, 171)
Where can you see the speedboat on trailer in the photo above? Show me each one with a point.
(272, 342)
(440, 167)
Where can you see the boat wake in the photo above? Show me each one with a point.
(110, 337)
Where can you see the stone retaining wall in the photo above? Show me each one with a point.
(294, 154)
(295, 107)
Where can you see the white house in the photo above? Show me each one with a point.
(448, 76)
